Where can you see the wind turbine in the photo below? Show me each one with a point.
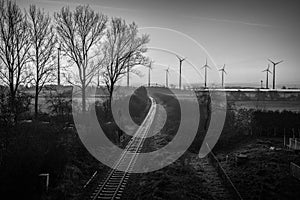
(274, 65)
(180, 64)
(149, 72)
(205, 77)
(223, 72)
(267, 78)
(167, 76)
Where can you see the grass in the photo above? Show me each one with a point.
(266, 174)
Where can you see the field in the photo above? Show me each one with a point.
(268, 105)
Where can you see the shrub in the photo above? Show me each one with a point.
(10, 114)
(60, 105)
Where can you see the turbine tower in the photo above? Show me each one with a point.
(149, 72)
(223, 72)
(180, 64)
(267, 78)
(205, 77)
(274, 65)
(167, 77)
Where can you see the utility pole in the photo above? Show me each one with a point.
(128, 75)
(58, 65)
(128, 72)
(167, 74)
(149, 76)
(149, 71)
(98, 78)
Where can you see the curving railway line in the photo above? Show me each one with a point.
(113, 185)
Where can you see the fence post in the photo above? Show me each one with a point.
(47, 180)
(295, 170)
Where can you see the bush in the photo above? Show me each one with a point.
(11, 114)
(31, 149)
(60, 105)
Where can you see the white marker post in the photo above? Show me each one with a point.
(47, 180)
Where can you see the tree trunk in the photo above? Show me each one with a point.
(36, 102)
(111, 90)
(83, 100)
(13, 110)
(12, 98)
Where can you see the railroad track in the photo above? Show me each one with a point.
(113, 185)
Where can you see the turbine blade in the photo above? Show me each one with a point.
(279, 62)
(180, 58)
(271, 61)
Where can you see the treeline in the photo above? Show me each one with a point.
(262, 123)
(275, 123)
(271, 119)
(244, 123)
(85, 46)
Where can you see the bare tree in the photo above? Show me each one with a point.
(14, 48)
(43, 45)
(124, 49)
(80, 33)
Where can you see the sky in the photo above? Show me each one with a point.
(240, 34)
